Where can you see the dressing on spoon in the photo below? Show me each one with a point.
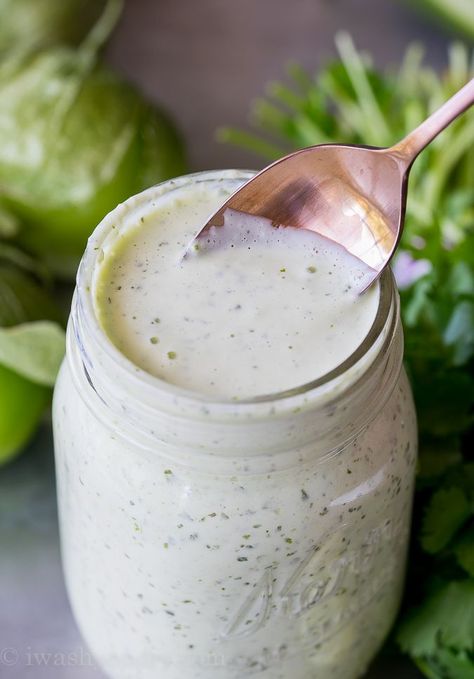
(354, 195)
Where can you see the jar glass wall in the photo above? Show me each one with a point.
(206, 538)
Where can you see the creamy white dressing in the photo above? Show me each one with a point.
(210, 540)
(262, 310)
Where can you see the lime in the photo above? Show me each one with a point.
(22, 404)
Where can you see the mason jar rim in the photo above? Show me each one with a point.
(85, 301)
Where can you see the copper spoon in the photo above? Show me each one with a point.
(353, 195)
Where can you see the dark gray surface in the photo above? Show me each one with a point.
(205, 61)
(37, 632)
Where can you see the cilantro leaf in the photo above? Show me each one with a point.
(445, 619)
(445, 514)
(464, 551)
(447, 664)
(459, 332)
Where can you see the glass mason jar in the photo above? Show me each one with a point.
(205, 539)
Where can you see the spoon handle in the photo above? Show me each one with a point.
(409, 147)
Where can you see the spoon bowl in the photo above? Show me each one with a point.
(352, 195)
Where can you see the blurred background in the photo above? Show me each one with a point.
(75, 139)
(206, 66)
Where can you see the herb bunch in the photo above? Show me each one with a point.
(350, 101)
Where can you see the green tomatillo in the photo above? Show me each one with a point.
(75, 140)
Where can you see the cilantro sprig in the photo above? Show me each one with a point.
(351, 101)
